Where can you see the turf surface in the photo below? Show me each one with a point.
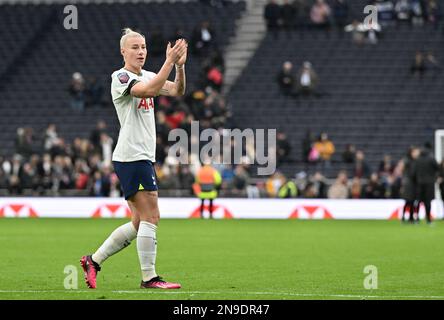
(229, 259)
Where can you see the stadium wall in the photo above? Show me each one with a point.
(185, 208)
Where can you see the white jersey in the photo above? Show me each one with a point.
(137, 136)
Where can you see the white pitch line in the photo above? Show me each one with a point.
(291, 294)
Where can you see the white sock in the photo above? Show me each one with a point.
(119, 239)
(146, 248)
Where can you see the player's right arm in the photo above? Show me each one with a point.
(150, 89)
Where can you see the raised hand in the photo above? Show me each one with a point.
(183, 57)
(173, 54)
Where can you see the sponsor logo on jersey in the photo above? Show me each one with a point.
(146, 105)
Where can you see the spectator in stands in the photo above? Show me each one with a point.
(432, 64)
(434, 13)
(51, 137)
(418, 67)
(77, 92)
(301, 14)
(288, 15)
(95, 135)
(356, 188)
(203, 39)
(319, 185)
(374, 189)
(288, 189)
(418, 12)
(45, 170)
(81, 174)
(14, 185)
(3, 178)
(106, 181)
(386, 168)
(348, 156)
(96, 185)
(215, 78)
(240, 180)
(162, 127)
(357, 31)
(274, 183)
(62, 173)
(320, 14)
(307, 80)
(341, 13)
(272, 15)
(339, 189)
(115, 190)
(94, 93)
(325, 147)
(286, 78)
(186, 178)
(283, 147)
(394, 181)
(27, 176)
(403, 11)
(307, 145)
(24, 142)
(386, 13)
(106, 144)
(309, 191)
(58, 148)
(362, 168)
(364, 33)
(170, 169)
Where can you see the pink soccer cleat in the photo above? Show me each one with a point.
(90, 268)
(158, 283)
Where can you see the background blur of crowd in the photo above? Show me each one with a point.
(46, 164)
(287, 16)
(83, 167)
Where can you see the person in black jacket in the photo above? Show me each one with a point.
(441, 180)
(425, 171)
(408, 186)
(272, 15)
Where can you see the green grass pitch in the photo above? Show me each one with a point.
(229, 259)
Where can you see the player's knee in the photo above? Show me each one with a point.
(151, 217)
(154, 219)
(136, 222)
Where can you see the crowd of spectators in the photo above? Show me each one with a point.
(389, 180)
(45, 162)
(287, 16)
(84, 167)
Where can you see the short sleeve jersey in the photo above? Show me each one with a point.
(137, 135)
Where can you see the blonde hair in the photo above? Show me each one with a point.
(127, 33)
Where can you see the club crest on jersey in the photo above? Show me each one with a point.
(123, 77)
(146, 105)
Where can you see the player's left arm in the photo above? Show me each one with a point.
(176, 88)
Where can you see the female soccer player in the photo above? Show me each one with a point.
(132, 91)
